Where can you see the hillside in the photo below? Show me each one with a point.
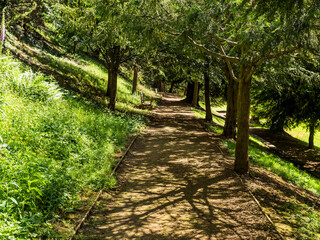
(58, 140)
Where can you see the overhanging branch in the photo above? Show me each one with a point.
(281, 53)
(212, 53)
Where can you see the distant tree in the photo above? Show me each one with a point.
(135, 80)
(287, 95)
(206, 77)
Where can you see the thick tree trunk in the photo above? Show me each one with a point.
(229, 130)
(135, 80)
(190, 93)
(311, 135)
(195, 94)
(242, 145)
(207, 94)
(113, 78)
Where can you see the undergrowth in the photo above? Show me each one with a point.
(53, 146)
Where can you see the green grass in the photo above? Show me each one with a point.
(80, 73)
(53, 146)
(260, 157)
(304, 218)
(302, 133)
(202, 114)
(222, 107)
(216, 129)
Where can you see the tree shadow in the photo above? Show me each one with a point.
(291, 149)
(176, 184)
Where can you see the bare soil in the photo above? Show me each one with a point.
(176, 183)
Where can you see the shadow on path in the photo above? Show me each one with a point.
(176, 184)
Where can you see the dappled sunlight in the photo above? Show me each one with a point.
(175, 183)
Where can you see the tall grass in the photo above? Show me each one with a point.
(53, 146)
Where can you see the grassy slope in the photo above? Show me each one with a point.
(304, 220)
(55, 144)
(79, 73)
(299, 132)
(302, 133)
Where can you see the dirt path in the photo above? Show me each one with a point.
(176, 184)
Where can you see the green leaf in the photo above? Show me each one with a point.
(13, 200)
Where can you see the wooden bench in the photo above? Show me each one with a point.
(146, 102)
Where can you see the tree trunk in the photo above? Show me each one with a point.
(113, 78)
(311, 135)
(113, 67)
(195, 94)
(162, 87)
(135, 80)
(207, 94)
(189, 94)
(171, 87)
(109, 82)
(242, 160)
(74, 47)
(3, 27)
(229, 130)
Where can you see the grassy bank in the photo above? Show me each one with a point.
(303, 219)
(292, 217)
(53, 146)
(301, 132)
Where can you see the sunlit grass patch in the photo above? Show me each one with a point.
(281, 167)
(304, 219)
(302, 133)
(53, 146)
(216, 129)
(219, 108)
(202, 114)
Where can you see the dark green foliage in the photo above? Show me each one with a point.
(288, 95)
